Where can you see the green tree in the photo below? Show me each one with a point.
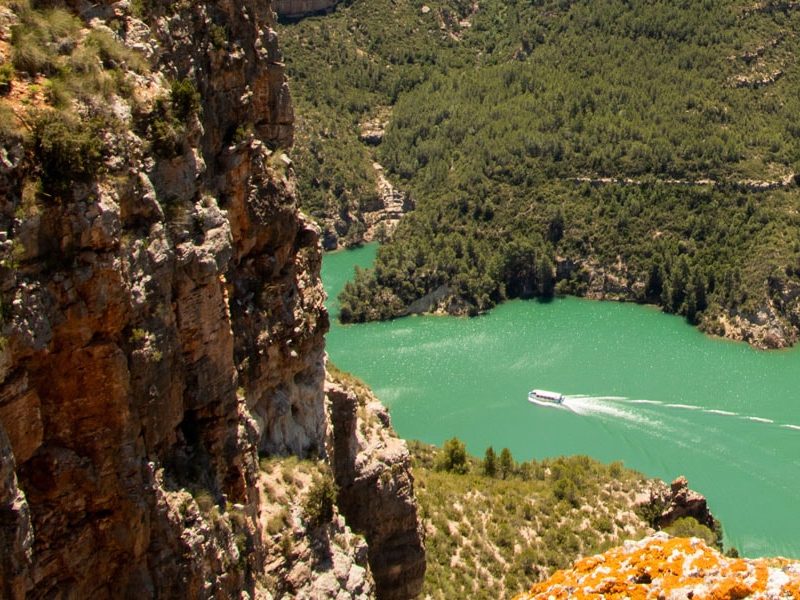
(555, 229)
(545, 278)
(319, 503)
(490, 463)
(655, 282)
(453, 457)
(506, 463)
(678, 284)
(699, 288)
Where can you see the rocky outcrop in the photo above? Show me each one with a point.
(673, 502)
(774, 326)
(374, 219)
(331, 562)
(392, 203)
(663, 567)
(308, 560)
(370, 462)
(163, 324)
(370, 217)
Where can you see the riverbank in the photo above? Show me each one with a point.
(658, 394)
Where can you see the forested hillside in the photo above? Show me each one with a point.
(643, 151)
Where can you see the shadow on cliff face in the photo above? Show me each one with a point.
(188, 464)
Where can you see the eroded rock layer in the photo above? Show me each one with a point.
(369, 461)
(163, 323)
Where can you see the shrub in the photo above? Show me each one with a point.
(9, 128)
(205, 501)
(69, 150)
(114, 53)
(6, 76)
(166, 136)
(185, 98)
(319, 503)
(278, 522)
(690, 527)
(506, 463)
(490, 463)
(41, 37)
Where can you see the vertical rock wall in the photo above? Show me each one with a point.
(163, 323)
(369, 461)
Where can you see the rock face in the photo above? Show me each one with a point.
(670, 568)
(163, 323)
(369, 461)
(683, 502)
(374, 220)
(667, 504)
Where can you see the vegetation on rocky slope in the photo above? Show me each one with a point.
(491, 536)
(628, 150)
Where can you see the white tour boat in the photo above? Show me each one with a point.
(545, 397)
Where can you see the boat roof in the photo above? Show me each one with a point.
(547, 394)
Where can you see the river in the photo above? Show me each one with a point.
(643, 387)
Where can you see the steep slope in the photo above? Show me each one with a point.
(162, 311)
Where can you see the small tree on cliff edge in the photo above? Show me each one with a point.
(321, 498)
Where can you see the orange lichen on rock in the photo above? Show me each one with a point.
(665, 567)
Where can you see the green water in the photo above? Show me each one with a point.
(444, 377)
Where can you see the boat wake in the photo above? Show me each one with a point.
(601, 406)
(615, 407)
(716, 411)
(759, 419)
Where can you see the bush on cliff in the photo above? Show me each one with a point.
(69, 150)
(321, 498)
(690, 527)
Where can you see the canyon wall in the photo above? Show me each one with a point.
(163, 326)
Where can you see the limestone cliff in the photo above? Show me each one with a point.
(370, 461)
(163, 319)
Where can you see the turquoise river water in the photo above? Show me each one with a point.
(643, 387)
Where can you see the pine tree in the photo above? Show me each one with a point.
(490, 463)
(453, 457)
(506, 463)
